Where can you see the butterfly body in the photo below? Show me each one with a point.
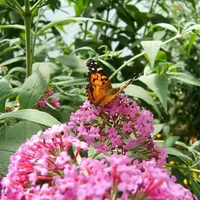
(99, 89)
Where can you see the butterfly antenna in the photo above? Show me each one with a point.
(136, 76)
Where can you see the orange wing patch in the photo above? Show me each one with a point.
(99, 89)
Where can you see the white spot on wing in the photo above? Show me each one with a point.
(99, 69)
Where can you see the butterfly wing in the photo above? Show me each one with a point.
(99, 88)
(98, 83)
(114, 92)
(96, 75)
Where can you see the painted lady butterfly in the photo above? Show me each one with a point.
(99, 89)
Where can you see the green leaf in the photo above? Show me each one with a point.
(14, 26)
(166, 26)
(3, 2)
(137, 91)
(4, 160)
(179, 154)
(4, 93)
(182, 144)
(11, 41)
(4, 89)
(32, 116)
(73, 62)
(158, 84)
(18, 134)
(69, 20)
(34, 87)
(192, 38)
(52, 67)
(107, 64)
(80, 6)
(187, 25)
(196, 145)
(170, 141)
(84, 49)
(75, 82)
(4, 155)
(158, 35)
(157, 128)
(43, 47)
(12, 60)
(20, 70)
(195, 186)
(12, 138)
(191, 28)
(184, 78)
(91, 151)
(151, 48)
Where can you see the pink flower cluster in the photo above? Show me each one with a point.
(51, 168)
(121, 127)
(63, 161)
(48, 101)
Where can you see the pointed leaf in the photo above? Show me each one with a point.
(196, 145)
(12, 137)
(52, 67)
(32, 116)
(191, 28)
(167, 26)
(12, 60)
(157, 128)
(187, 25)
(151, 48)
(70, 20)
(73, 62)
(158, 84)
(184, 78)
(18, 134)
(170, 141)
(4, 92)
(179, 154)
(84, 48)
(34, 87)
(195, 186)
(4, 89)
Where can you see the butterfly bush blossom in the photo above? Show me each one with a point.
(60, 163)
(48, 100)
(121, 127)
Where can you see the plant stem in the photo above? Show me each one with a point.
(27, 21)
(35, 33)
(185, 169)
(18, 7)
(35, 6)
(122, 66)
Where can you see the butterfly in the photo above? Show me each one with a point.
(99, 89)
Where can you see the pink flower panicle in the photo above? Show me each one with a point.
(48, 101)
(40, 160)
(54, 164)
(45, 169)
(121, 124)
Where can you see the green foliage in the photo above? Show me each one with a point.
(157, 39)
(34, 87)
(4, 93)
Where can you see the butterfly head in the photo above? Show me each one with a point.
(93, 66)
